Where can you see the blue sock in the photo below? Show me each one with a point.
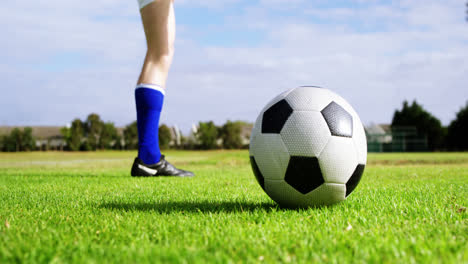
(149, 101)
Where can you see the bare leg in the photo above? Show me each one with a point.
(159, 25)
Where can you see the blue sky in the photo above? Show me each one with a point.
(61, 60)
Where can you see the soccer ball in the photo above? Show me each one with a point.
(308, 148)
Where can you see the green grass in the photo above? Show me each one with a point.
(84, 207)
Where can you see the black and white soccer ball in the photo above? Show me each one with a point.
(308, 148)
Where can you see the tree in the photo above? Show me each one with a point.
(207, 135)
(108, 136)
(66, 134)
(2, 143)
(28, 142)
(231, 135)
(16, 137)
(9, 143)
(118, 143)
(18, 140)
(457, 138)
(76, 135)
(93, 128)
(165, 136)
(131, 136)
(425, 123)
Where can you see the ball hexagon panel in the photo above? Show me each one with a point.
(304, 174)
(270, 154)
(328, 193)
(309, 98)
(285, 195)
(360, 141)
(275, 117)
(257, 173)
(338, 160)
(355, 179)
(305, 133)
(339, 121)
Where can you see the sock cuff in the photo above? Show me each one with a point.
(152, 87)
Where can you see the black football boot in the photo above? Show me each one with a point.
(162, 168)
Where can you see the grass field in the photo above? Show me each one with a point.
(84, 207)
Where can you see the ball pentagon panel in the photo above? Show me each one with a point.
(304, 174)
(355, 179)
(338, 120)
(275, 117)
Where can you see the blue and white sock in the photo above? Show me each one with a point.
(149, 101)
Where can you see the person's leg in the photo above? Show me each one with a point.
(159, 25)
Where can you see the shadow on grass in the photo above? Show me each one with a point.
(191, 207)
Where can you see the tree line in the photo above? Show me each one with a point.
(207, 136)
(439, 138)
(93, 133)
(18, 140)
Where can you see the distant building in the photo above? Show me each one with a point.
(246, 133)
(47, 137)
(385, 138)
(378, 136)
(176, 137)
